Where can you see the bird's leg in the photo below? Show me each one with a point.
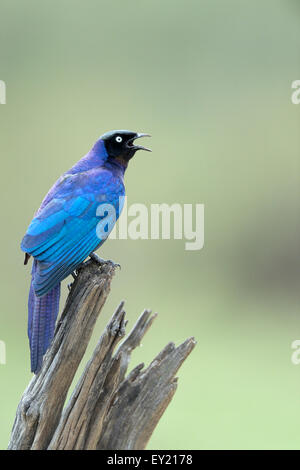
(99, 260)
(74, 274)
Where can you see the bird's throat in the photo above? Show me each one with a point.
(122, 161)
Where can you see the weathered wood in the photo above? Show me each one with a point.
(107, 409)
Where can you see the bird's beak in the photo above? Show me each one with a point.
(140, 147)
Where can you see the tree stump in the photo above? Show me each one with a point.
(107, 409)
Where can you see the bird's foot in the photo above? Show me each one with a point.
(99, 260)
(69, 286)
(74, 274)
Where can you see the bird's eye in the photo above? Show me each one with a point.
(119, 139)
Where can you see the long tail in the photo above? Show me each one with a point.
(42, 314)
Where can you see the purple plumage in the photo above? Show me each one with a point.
(63, 232)
(42, 314)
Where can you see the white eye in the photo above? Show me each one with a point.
(119, 139)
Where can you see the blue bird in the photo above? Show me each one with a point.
(65, 229)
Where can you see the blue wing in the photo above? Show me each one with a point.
(65, 231)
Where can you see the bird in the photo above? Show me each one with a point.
(64, 230)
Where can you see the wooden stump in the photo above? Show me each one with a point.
(107, 409)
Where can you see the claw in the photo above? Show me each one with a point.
(99, 260)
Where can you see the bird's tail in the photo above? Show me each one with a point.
(42, 314)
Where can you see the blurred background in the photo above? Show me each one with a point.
(211, 81)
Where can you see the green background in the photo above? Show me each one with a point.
(211, 81)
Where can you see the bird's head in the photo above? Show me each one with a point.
(121, 144)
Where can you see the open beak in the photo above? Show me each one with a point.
(139, 147)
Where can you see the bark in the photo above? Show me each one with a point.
(107, 409)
